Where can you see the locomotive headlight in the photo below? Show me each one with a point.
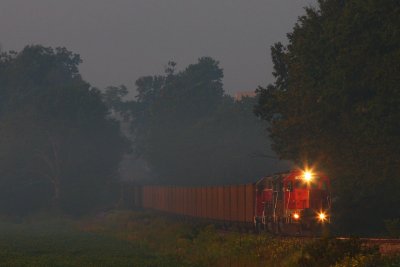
(322, 217)
(296, 216)
(307, 176)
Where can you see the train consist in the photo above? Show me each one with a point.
(290, 202)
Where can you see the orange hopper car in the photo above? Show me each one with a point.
(290, 202)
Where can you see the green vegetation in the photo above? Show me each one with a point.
(144, 239)
(55, 244)
(190, 132)
(58, 148)
(335, 104)
(200, 245)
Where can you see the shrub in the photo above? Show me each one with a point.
(327, 252)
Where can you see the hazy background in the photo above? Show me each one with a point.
(122, 40)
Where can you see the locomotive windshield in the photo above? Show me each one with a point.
(317, 183)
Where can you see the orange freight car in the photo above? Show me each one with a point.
(279, 202)
(227, 204)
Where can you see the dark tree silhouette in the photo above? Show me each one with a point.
(336, 102)
(58, 148)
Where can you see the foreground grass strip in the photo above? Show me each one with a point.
(54, 244)
(126, 238)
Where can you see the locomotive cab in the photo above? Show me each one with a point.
(298, 198)
(306, 197)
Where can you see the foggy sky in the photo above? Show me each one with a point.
(121, 40)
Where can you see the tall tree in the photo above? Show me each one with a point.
(57, 143)
(191, 133)
(336, 102)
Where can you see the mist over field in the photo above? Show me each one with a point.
(101, 101)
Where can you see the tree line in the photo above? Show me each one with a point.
(59, 150)
(190, 132)
(61, 142)
(335, 103)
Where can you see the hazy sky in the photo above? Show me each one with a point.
(121, 40)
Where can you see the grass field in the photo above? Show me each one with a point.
(126, 238)
(57, 243)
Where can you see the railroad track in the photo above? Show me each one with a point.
(386, 245)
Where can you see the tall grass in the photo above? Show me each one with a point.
(126, 238)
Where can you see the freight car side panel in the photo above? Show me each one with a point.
(220, 205)
(214, 201)
(208, 203)
(164, 205)
(189, 201)
(203, 202)
(171, 199)
(241, 189)
(234, 203)
(192, 203)
(162, 199)
(152, 197)
(198, 202)
(180, 200)
(227, 203)
(176, 200)
(175, 205)
(184, 202)
(250, 202)
(158, 198)
(183, 191)
(168, 200)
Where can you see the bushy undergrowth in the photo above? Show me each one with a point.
(327, 252)
(126, 238)
(193, 245)
(362, 260)
(189, 244)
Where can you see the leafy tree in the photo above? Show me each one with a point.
(58, 147)
(336, 102)
(113, 96)
(191, 133)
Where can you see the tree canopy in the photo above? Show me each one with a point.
(335, 102)
(58, 147)
(190, 132)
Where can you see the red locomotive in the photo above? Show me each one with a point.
(291, 202)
